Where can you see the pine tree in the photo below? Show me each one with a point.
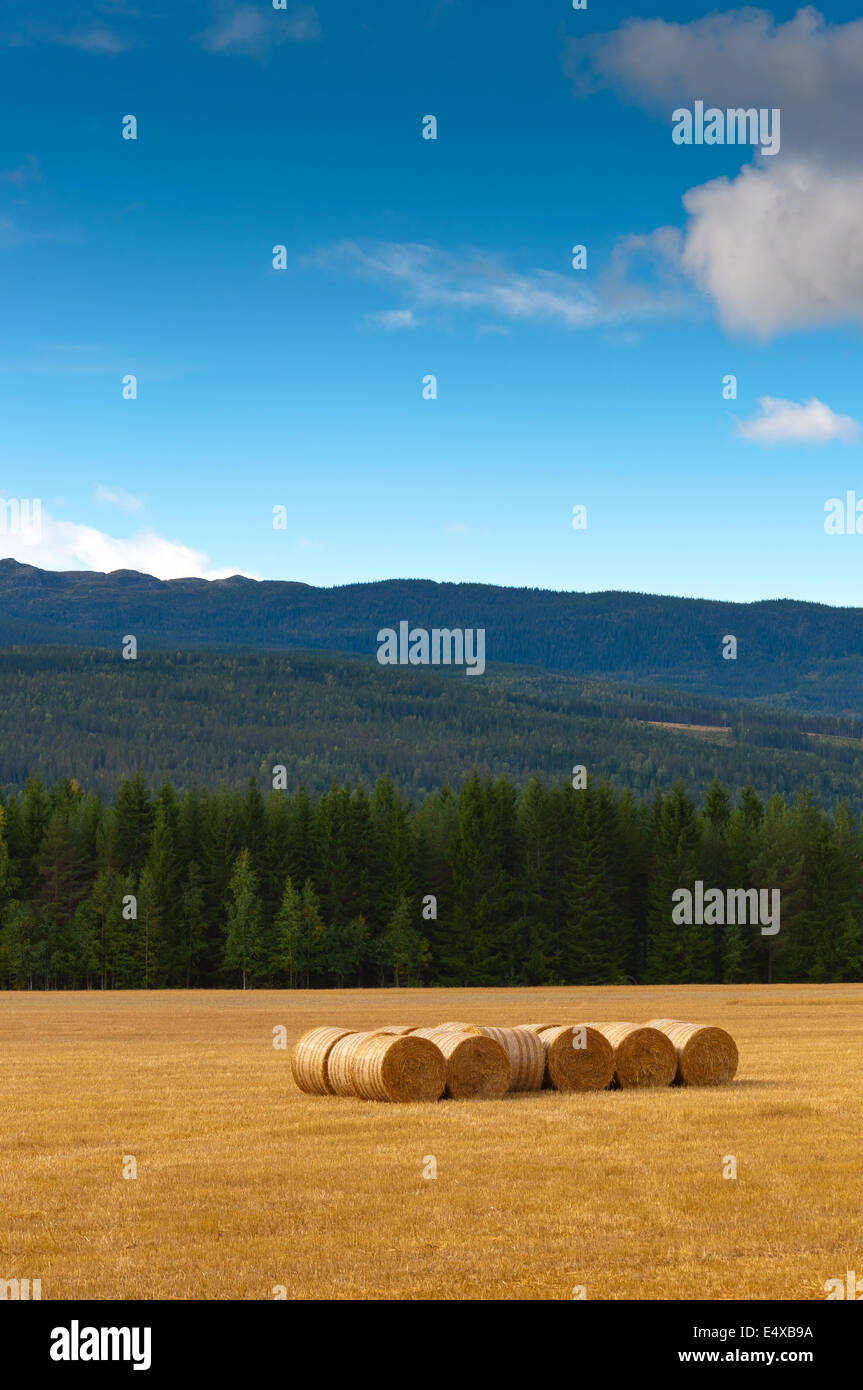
(220, 845)
(313, 931)
(20, 956)
(133, 822)
(678, 953)
(194, 924)
(163, 869)
(592, 952)
(537, 877)
(779, 866)
(288, 955)
(403, 950)
(345, 948)
(243, 947)
(713, 866)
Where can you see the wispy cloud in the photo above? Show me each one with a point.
(393, 319)
(250, 31)
(119, 497)
(28, 172)
(428, 277)
(785, 422)
(12, 234)
(97, 39)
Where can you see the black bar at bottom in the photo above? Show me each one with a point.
(69, 1338)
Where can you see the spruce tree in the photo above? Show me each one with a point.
(288, 954)
(592, 951)
(243, 945)
(403, 950)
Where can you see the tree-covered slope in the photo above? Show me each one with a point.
(216, 719)
(804, 655)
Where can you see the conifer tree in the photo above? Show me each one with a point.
(403, 949)
(243, 945)
(288, 954)
(677, 952)
(194, 925)
(133, 822)
(592, 951)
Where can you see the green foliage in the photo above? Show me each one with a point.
(543, 885)
(805, 655)
(207, 719)
(244, 947)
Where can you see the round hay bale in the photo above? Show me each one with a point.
(340, 1062)
(571, 1068)
(396, 1030)
(310, 1057)
(397, 1068)
(477, 1067)
(459, 1027)
(705, 1056)
(538, 1027)
(526, 1056)
(643, 1056)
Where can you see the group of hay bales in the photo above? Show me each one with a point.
(466, 1062)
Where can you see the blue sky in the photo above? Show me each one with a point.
(406, 257)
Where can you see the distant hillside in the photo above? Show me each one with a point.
(213, 719)
(801, 655)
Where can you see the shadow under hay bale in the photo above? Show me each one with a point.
(310, 1057)
(643, 1055)
(526, 1056)
(477, 1067)
(706, 1056)
(577, 1058)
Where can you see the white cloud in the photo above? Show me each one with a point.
(65, 545)
(250, 31)
(811, 69)
(778, 248)
(785, 422)
(431, 278)
(119, 497)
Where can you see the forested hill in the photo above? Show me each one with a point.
(800, 655)
(215, 719)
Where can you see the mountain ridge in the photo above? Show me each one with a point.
(790, 652)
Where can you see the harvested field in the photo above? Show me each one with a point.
(245, 1183)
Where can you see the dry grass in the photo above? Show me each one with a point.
(245, 1183)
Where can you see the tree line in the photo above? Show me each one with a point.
(487, 885)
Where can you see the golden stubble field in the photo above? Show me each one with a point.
(243, 1184)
